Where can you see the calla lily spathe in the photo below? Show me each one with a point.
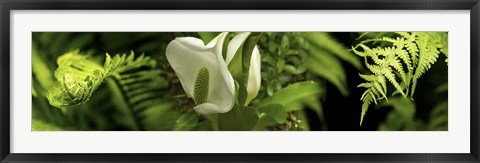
(254, 74)
(191, 60)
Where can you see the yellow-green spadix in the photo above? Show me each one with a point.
(203, 73)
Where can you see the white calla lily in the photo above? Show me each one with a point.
(203, 73)
(254, 74)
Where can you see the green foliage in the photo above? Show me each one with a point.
(301, 90)
(98, 91)
(41, 72)
(439, 117)
(38, 125)
(186, 122)
(240, 64)
(291, 57)
(402, 117)
(283, 56)
(274, 109)
(77, 79)
(238, 119)
(207, 36)
(138, 87)
(135, 85)
(271, 115)
(122, 63)
(325, 54)
(402, 62)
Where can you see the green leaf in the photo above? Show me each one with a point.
(295, 70)
(41, 72)
(38, 125)
(127, 117)
(284, 44)
(161, 117)
(292, 93)
(326, 66)
(235, 65)
(207, 36)
(439, 117)
(403, 106)
(186, 122)
(324, 41)
(240, 65)
(271, 115)
(315, 104)
(275, 111)
(238, 119)
(203, 126)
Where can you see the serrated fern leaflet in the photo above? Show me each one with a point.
(401, 62)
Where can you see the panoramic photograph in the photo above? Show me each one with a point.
(239, 81)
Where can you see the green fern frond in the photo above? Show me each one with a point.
(139, 90)
(77, 77)
(135, 91)
(367, 100)
(401, 61)
(428, 55)
(76, 80)
(122, 63)
(442, 43)
(135, 82)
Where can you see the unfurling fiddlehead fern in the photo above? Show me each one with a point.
(402, 62)
(77, 77)
(76, 80)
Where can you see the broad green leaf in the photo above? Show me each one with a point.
(225, 45)
(161, 117)
(315, 104)
(270, 115)
(275, 111)
(292, 93)
(235, 66)
(240, 64)
(207, 36)
(238, 119)
(247, 51)
(327, 66)
(186, 122)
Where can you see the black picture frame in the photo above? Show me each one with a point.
(9, 5)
